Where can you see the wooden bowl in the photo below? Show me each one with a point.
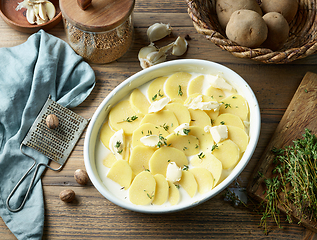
(17, 19)
(302, 40)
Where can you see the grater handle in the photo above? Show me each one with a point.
(18, 184)
(31, 183)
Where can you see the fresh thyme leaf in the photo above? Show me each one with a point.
(130, 119)
(118, 144)
(215, 146)
(180, 92)
(201, 155)
(185, 168)
(222, 123)
(186, 131)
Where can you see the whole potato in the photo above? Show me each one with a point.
(287, 8)
(278, 30)
(247, 28)
(224, 9)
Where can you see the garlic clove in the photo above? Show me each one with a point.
(158, 31)
(146, 50)
(50, 10)
(179, 46)
(36, 9)
(30, 17)
(42, 12)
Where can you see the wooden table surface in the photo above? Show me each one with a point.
(92, 216)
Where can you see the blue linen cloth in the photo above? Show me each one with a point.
(44, 65)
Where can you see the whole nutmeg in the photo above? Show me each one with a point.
(52, 121)
(81, 177)
(67, 195)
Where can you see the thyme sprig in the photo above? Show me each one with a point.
(295, 176)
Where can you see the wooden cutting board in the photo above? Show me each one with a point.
(300, 114)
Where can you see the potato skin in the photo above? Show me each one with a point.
(247, 28)
(278, 30)
(224, 9)
(288, 8)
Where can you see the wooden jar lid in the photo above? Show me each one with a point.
(96, 15)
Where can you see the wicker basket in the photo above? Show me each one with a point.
(302, 40)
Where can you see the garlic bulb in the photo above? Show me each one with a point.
(37, 11)
(158, 31)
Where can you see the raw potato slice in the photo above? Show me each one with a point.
(144, 130)
(204, 179)
(189, 144)
(188, 182)
(176, 85)
(119, 115)
(211, 163)
(196, 85)
(215, 93)
(228, 153)
(105, 134)
(199, 118)
(173, 194)
(205, 139)
(140, 157)
(156, 89)
(239, 137)
(109, 160)
(161, 190)
(213, 115)
(235, 104)
(181, 112)
(163, 156)
(142, 190)
(164, 118)
(229, 119)
(121, 173)
(139, 102)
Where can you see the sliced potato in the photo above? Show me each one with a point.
(211, 163)
(164, 118)
(121, 173)
(189, 144)
(228, 153)
(176, 85)
(205, 139)
(105, 134)
(215, 93)
(173, 194)
(146, 129)
(199, 118)
(196, 85)
(142, 190)
(204, 179)
(161, 191)
(235, 104)
(156, 89)
(163, 156)
(109, 160)
(122, 116)
(139, 102)
(181, 112)
(188, 182)
(139, 159)
(229, 119)
(239, 137)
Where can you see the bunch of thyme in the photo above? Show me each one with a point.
(296, 177)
